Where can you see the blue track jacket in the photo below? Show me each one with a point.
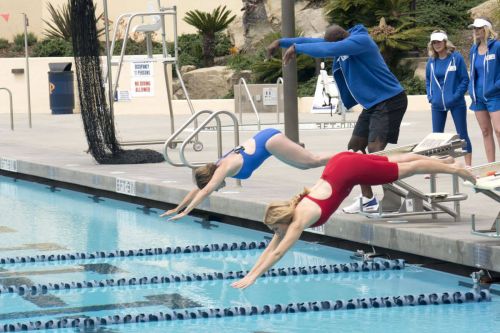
(359, 70)
(491, 85)
(455, 83)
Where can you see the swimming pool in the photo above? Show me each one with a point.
(104, 241)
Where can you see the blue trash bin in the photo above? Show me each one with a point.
(61, 91)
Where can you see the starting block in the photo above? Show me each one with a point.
(401, 199)
(488, 183)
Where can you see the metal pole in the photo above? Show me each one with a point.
(279, 83)
(290, 74)
(11, 108)
(108, 57)
(26, 23)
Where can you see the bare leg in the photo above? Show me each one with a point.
(358, 143)
(375, 146)
(424, 166)
(484, 120)
(293, 154)
(402, 158)
(495, 120)
(468, 159)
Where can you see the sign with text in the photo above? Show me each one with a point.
(142, 87)
(270, 96)
(125, 186)
(326, 95)
(141, 69)
(8, 164)
(141, 81)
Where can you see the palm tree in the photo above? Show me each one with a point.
(60, 27)
(394, 41)
(208, 24)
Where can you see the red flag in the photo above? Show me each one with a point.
(5, 16)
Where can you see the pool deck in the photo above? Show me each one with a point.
(55, 148)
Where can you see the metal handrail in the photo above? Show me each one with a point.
(240, 82)
(11, 108)
(219, 136)
(172, 138)
(279, 83)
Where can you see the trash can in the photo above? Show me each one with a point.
(61, 91)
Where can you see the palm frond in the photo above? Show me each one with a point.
(60, 25)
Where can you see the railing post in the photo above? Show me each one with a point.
(279, 83)
(242, 81)
(11, 108)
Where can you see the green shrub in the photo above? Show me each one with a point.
(222, 44)
(241, 61)
(307, 88)
(191, 52)
(450, 15)
(53, 47)
(4, 43)
(19, 39)
(132, 47)
(414, 86)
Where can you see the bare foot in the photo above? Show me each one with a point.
(465, 174)
(447, 160)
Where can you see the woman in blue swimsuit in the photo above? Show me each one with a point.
(242, 161)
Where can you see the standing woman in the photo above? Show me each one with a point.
(484, 87)
(446, 81)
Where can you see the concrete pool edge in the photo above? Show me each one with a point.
(418, 238)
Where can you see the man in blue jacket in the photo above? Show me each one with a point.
(362, 78)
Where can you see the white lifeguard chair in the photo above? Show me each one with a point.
(157, 23)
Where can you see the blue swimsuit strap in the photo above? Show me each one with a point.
(237, 150)
(253, 161)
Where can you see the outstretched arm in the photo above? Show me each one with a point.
(213, 184)
(269, 258)
(187, 199)
(273, 244)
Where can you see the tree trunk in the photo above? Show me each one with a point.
(208, 49)
(254, 15)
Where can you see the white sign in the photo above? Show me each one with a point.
(125, 186)
(318, 230)
(141, 69)
(123, 96)
(270, 96)
(326, 96)
(142, 87)
(8, 164)
(142, 81)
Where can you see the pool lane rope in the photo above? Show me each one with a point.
(457, 297)
(377, 265)
(135, 253)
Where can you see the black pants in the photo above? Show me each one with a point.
(381, 122)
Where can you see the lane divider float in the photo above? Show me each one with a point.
(85, 322)
(135, 253)
(377, 265)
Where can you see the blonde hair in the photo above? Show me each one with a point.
(282, 211)
(449, 46)
(204, 174)
(489, 33)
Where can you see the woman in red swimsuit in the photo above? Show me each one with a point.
(314, 207)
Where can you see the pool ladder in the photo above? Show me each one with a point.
(171, 142)
(11, 107)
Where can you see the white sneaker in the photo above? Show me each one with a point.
(370, 205)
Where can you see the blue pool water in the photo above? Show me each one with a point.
(37, 219)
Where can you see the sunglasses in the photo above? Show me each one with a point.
(478, 28)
